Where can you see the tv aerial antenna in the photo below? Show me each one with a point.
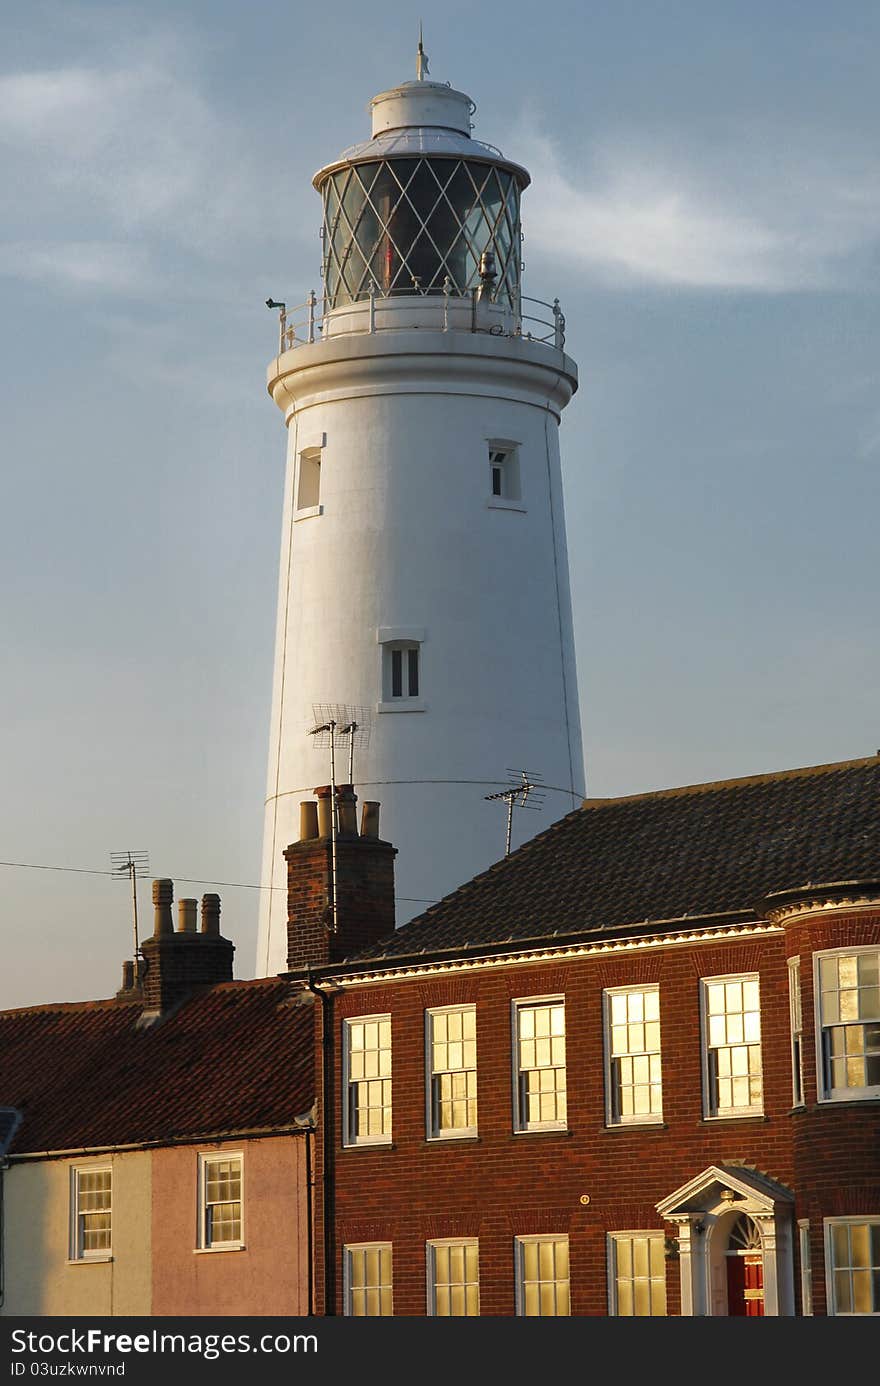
(525, 792)
(134, 865)
(332, 722)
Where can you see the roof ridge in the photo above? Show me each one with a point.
(801, 772)
(99, 1003)
(123, 1002)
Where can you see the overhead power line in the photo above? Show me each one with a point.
(184, 880)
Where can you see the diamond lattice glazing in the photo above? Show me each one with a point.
(405, 225)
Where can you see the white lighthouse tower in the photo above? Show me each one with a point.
(424, 575)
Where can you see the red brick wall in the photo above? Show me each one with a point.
(501, 1184)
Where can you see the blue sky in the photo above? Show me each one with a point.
(705, 203)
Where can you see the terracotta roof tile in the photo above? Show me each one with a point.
(235, 1058)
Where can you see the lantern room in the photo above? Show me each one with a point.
(421, 208)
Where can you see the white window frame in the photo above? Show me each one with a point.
(613, 1238)
(521, 1123)
(402, 639)
(442, 1243)
(727, 1113)
(796, 1016)
(520, 1243)
(382, 1287)
(806, 1268)
(830, 1290)
(206, 1242)
(78, 1251)
(613, 1118)
(350, 1137)
(503, 457)
(434, 1131)
(826, 1093)
(309, 466)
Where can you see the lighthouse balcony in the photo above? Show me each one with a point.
(535, 320)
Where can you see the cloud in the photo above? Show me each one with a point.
(137, 144)
(130, 164)
(106, 265)
(698, 217)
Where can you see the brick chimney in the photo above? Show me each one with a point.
(177, 963)
(364, 881)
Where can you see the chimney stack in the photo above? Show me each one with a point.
(130, 989)
(364, 882)
(178, 964)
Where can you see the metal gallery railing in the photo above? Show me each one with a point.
(309, 322)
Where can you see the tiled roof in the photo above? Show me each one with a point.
(705, 849)
(233, 1059)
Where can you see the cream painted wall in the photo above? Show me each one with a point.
(40, 1279)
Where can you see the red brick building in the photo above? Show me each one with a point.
(634, 1068)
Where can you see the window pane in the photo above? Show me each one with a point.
(862, 1292)
(842, 1296)
(860, 1245)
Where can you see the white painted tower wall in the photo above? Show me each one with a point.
(402, 400)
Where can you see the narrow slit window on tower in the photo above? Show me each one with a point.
(404, 671)
(504, 482)
(401, 671)
(308, 488)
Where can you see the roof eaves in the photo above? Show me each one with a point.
(297, 1126)
(533, 943)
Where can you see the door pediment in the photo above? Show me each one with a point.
(726, 1183)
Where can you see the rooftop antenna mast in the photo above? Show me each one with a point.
(332, 720)
(133, 865)
(523, 793)
(421, 58)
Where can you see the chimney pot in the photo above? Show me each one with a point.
(186, 916)
(325, 810)
(127, 976)
(308, 821)
(370, 819)
(346, 800)
(163, 896)
(211, 915)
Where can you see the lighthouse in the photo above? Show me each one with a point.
(424, 593)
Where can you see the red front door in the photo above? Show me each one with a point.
(745, 1286)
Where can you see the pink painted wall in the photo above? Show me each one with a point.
(270, 1275)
